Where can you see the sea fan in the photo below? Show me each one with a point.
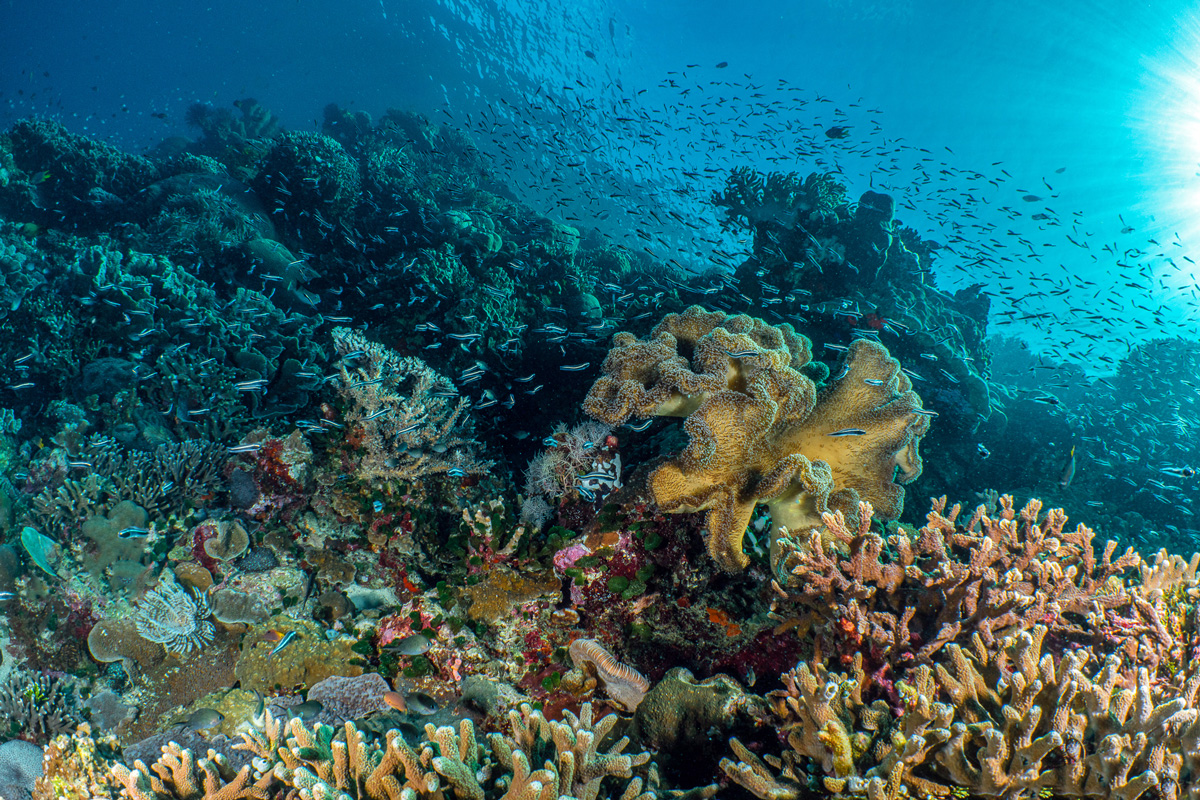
(169, 615)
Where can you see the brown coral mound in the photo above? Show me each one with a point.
(758, 430)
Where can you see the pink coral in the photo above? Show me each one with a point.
(566, 558)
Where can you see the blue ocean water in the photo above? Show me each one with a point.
(192, 347)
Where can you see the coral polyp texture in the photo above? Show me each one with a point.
(903, 596)
(537, 759)
(1006, 721)
(759, 431)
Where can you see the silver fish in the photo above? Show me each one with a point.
(421, 703)
(413, 645)
(204, 718)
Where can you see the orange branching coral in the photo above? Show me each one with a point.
(905, 596)
(758, 430)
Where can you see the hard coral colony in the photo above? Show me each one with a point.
(249, 556)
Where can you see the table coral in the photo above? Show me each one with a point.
(759, 432)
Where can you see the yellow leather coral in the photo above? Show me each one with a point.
(758, 430)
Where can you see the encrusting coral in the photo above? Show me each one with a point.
(759, 432)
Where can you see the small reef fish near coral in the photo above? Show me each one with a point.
(422, 456)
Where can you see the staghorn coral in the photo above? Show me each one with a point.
(179, 774)
(37, 707)
(574, 765)
(1002, 722)
(776, 198)
(450, 762)
(160, 481)
(536, 760)
(410, 428)
(758, 431)
(904, 597)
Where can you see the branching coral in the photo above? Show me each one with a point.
(1002, 722)
(179, 774)
(451, 762)
(777, 197)
(37, 707)
(537, 760)
(758, 430)
(404, 413)
(907, 596)
(160, 481)
(574, 765)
